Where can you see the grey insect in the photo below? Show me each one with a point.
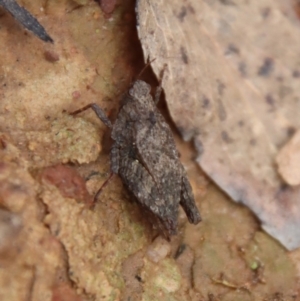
(144, 155)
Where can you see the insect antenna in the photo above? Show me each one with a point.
(145, 67)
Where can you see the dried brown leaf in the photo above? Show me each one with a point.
(232, 86)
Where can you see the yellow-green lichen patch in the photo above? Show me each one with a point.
(162, 280)
(95, 252)
(65, 139)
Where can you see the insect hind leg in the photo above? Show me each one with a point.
(96, 197)
(98, 111)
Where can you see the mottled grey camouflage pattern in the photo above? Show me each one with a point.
(144, 155)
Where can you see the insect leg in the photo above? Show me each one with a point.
(102, 187)
(98, 111)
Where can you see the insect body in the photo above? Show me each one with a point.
(144, 155)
